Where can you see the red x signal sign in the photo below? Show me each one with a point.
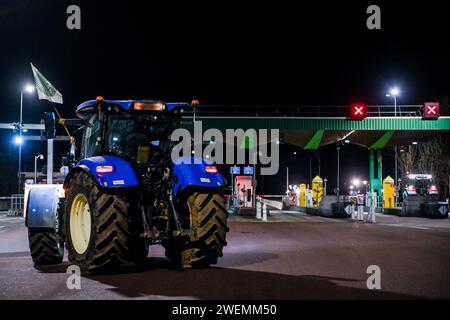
(358, 111)
(430, 111)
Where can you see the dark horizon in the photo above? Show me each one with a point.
(226, 53)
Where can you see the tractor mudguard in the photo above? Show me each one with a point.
(108, 171)
(41, 205)
(188, 175)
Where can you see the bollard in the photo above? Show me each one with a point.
(371, 215)
(353, 215)
(360, 215)
(264, 217)
(258, 210)
(371, 202)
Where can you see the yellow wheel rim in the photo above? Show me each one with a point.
(80, 223)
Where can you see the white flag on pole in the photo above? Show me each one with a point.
(44, 88)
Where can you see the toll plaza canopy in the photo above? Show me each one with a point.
(312, 133)
(379, 130)
(384, 126)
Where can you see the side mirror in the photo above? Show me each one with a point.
(50, 125)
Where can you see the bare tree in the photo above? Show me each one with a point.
(407, 160)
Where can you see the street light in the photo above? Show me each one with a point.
(394, 92)
(365, 183)
(18, 140)
(28, 89)
(36, 158)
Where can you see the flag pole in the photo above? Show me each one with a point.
(61, 121)
(48, 92)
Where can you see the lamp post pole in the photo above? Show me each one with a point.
(395, 105)
(338, 148)
(36, 158)
(395, 150)
(394, 93)
(287, 179)
(28, 88)
(19, 174)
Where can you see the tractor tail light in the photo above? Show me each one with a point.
(148, 106)
(104, 169)
(211, 169)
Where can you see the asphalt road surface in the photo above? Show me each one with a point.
(290, 257)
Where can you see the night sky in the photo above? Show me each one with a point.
(223, 52)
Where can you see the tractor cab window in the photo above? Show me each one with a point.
(139, 136)
(90, 146)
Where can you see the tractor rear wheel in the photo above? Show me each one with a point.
(99, 230)
(45, 247)
(208, 224)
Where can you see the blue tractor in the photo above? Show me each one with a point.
(123, 193)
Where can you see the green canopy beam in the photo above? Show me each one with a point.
(382, 141)
(316, 139)
(375, 171)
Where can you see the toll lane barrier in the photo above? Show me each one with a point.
(421, 207)
(332, 207)
(434, 210)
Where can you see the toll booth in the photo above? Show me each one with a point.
(388, 192)
(317, 189)
(243, 186)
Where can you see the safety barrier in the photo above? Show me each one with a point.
(273, 203)
(16, 208)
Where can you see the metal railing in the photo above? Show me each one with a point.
(16, 208)
(303, 111)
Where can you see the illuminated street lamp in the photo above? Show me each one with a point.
(29, 88)
(394, 92)
(19, 140)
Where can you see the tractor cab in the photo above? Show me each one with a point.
(138, 131)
